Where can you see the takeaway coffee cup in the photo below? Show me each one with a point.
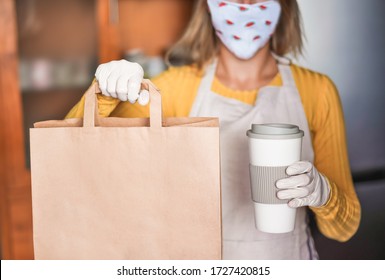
(272, 148)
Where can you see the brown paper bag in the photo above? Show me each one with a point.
(115, 188)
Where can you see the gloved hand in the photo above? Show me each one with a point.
(122, 79)
(305, 186)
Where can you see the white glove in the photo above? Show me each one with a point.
(122, 79)
(305, 186)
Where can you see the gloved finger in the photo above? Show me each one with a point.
(299, 202)
(111, 84)
(299, 167)
(134, 84)
(99, 69)
(144, 97)
(293, 182)
(101, 76)
(293, 193)
(122, 87)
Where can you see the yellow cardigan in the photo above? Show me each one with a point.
(340, 217)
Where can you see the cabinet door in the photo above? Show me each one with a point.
(151, 26)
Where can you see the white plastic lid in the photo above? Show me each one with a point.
(275, 131)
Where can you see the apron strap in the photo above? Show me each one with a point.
(204, 87)
(287, 75)
(284, 69)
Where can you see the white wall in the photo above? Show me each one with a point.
(346, 41)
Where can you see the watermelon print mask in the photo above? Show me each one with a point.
(244, 28)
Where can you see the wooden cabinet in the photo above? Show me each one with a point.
(15, 188)
(151, 25)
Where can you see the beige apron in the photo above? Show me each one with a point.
(241, 240)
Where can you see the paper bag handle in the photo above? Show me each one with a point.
(91, 113)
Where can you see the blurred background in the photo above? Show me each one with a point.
(346, 41)
(49, 51)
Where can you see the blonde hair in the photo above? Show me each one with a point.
(199, 44)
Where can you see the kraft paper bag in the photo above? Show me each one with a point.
(118, 188)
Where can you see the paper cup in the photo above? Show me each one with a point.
(272, 148)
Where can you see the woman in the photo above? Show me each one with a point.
(233, 68)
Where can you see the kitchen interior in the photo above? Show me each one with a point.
(51, 50)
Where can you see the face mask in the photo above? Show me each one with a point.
(244, 28)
